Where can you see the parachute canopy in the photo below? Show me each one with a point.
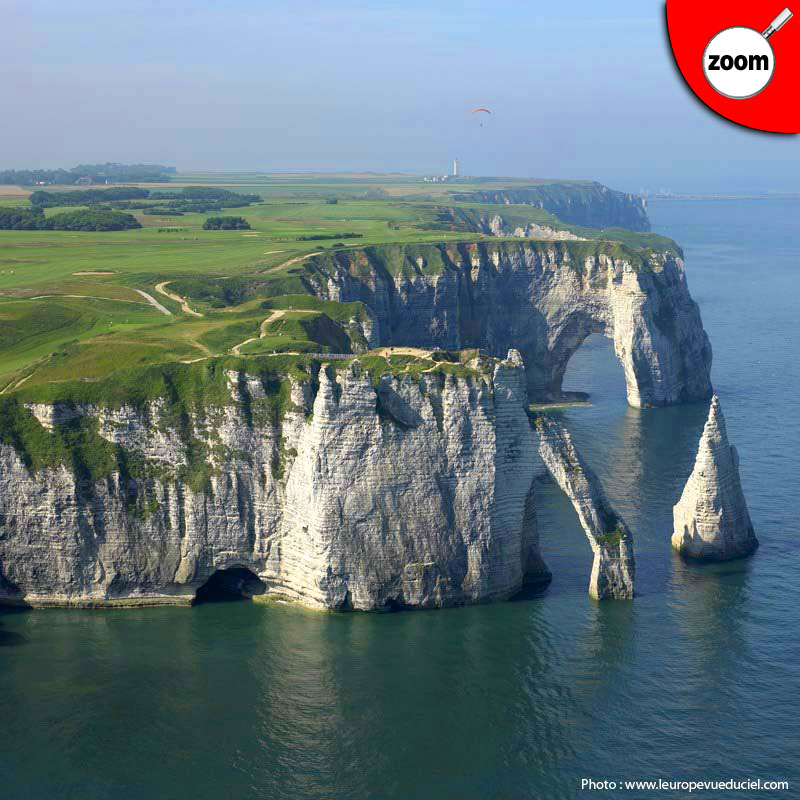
(480, 112)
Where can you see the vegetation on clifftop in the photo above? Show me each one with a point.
(408, 260)
(110, 248)
(187, 400)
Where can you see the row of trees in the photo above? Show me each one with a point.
(126, 172)
(207, 193)
(100, 173)
(199, 206)
(90, 219)
(192, 199)
(86, 197)
(226, 224)
(322, 236)
(202, 199)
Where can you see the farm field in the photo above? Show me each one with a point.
(80, 305)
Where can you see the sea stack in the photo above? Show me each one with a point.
(613, 569)
(711, 520)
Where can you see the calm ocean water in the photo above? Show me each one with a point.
(698, 678)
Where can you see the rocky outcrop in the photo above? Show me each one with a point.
(542, 298)
(610, 539)
(711, 520)
(497, 226)
(581, 203)
(367, 491)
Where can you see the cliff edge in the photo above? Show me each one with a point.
(579, 202)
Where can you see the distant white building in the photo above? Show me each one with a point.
(455, 167)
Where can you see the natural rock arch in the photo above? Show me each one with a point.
(541, 298)
(613, 568)
(592, 368)
(550, 360)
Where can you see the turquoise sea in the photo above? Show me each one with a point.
(698, 678)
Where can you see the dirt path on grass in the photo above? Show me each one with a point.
(154, 302)
(85, 297)
(94, 273)
(161, 288)
(420, 354)
(277, 314)
(11, 386)
(289, 263)
(403, 351)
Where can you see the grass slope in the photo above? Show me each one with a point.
(236, 279)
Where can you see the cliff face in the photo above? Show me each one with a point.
(543, 298)
(613, 569)
(711, 520)
(497, 226)
(414, 491)
(590, 204)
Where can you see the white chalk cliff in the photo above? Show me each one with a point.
(497, 226)
(368, 492)
(541, 298)
(711, 520)
(613, 569)
(344, 488)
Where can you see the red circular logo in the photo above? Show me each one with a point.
(741, 58)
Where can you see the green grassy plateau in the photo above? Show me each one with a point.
(83, 313)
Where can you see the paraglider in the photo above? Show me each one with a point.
(481, 111)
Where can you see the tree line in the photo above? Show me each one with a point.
(192, 199)
(89, 219)
(86, 197)
(322, 236)
(226, 224)
(118, 173)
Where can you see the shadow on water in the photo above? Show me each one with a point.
(606, 656)
(471, 685)
(710, 602)
(531, 591)
(711, 606)
(229, 585)
(11, 638)
(608, 642)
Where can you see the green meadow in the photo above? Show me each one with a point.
(79, 306)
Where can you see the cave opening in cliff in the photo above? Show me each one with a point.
(227, 585)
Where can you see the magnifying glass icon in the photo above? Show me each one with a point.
(739, 62)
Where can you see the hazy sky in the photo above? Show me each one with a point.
(586, 89)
